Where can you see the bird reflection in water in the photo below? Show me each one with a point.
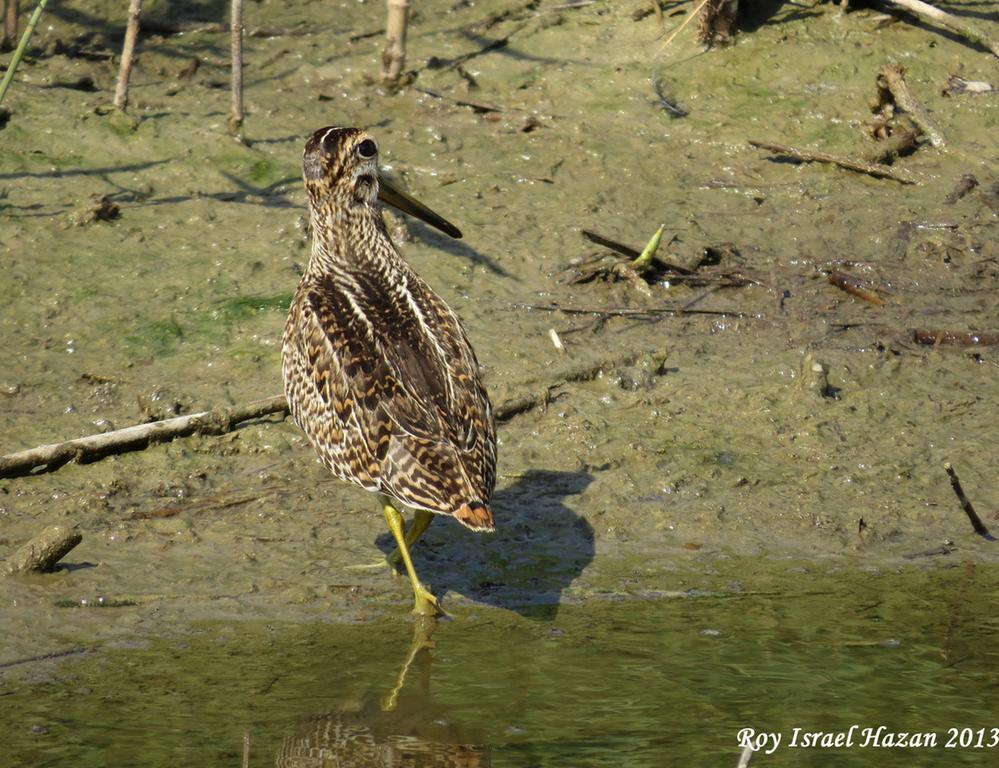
(402, 728)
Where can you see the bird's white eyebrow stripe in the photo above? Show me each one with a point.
(325, 135)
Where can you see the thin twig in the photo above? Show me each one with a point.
(21, 48)
(477, 106)
(956, 338)
(213, 503)
(236, 47)
(583, 372)
(213, 422)
(892, 78)
(492, 45)
(808, 156)
(571, 6)
(628, 311)
(943, 549)
(686, 21)
(852, 285)
(127, 54)
(79, 650)
(976, 521)
(963, 28)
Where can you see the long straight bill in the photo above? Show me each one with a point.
(390, 195)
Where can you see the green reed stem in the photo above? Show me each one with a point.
(644, 260)
(21, 47)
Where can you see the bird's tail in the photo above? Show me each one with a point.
(475, 515)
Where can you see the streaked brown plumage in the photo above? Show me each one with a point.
(377, 369)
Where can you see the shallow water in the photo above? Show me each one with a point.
(609, 683)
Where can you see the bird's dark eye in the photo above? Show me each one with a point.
(367, 149)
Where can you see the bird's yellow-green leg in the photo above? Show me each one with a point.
(426, 604)
(421, 521)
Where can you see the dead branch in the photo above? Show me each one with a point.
(221, 420)
(127, 54)
(45, 550)
(809, 156)
(215, 422)
(954, 23)
(891, 78)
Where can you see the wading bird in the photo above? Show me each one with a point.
(377, 369)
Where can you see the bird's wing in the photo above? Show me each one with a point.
(468, 416)
(410, 379)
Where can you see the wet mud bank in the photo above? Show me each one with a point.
(755, 416)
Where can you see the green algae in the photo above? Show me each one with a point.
(157, 337)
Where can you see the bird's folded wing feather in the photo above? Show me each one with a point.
(410, 377)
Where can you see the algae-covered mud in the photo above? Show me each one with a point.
(774, 425)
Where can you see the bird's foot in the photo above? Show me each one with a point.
(426, 604)
(389, 561)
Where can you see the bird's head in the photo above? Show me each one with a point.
(341, 169)
(341, 165)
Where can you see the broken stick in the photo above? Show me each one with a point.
(222, 420)
(976, 521)
(891, 78)
(583, 372)
(215, 422)
(876, 170)
(852, 285)
(45, 550)
(932, 338)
